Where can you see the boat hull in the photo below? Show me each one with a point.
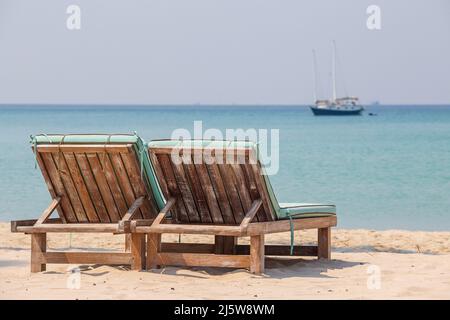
(335, 112)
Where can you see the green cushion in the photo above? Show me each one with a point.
(85, 138)
(305, 210)
(201, 143)
(134, 139)
(282, 210)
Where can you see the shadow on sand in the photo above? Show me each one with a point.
(287, 267)
(277, 268)
(13, 263)
(372, 249)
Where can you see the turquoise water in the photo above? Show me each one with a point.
(383, 172)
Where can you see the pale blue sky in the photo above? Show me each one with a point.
(221, 51)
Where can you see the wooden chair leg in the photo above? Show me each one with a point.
(324, 243)
(38, 246)
(153, 248)
(225, 244)
(138, 251)
(257, 254)
(128, 242)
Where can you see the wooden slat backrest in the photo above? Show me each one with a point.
(96, 183)
(211, 185)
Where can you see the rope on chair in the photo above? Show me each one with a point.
(60, 154)
(34, 142)
(104, 155)
(141, 154)
(291, 223)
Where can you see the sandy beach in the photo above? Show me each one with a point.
(366, 265)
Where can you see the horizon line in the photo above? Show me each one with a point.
(203, 104)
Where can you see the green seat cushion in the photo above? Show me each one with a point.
(134, 139)
(85, 138)
(305, 210)
(282, 210)
(200, 143)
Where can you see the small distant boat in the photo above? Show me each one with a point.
(345, 106)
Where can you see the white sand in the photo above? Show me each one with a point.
(411, 265)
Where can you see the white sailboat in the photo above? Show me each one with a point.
(344, 106)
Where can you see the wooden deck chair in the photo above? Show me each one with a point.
(95, 182)
(219, 188)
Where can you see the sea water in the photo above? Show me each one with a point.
(390, 171)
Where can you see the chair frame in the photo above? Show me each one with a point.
(144, 248)
(225, 252)
(133, 255)
(258, 220)
(134, 202)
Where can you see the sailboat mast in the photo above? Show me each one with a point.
(315, 75)
(334, 71)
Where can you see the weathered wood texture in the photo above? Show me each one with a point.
(240, 249)
(153, 250)
(225, 245)
(203, 260)
(128, 242)
(40, 257)
(109, 258)
(285, 225)
(138, 251)
(188, 247)
(211, 187)
(219, 230)
(38, 248)
(254, 228)
(324, 243)
(280, 250)
(18, 225)
(71, 227)
(257, 254)
(95, 183)
(48, 212)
